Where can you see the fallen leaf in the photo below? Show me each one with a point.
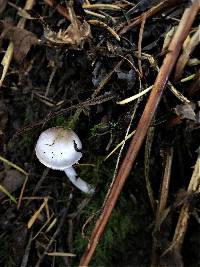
(21, 38)
(193, 62)
(11, 180)
(186, 111)
(72, 36)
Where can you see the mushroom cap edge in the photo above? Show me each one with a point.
(56, 148)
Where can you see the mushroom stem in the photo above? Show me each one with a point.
(77, 181)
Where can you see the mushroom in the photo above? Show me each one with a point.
(59, 148)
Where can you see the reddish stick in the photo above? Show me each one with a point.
(143, 125)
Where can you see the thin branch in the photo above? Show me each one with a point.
(162, 203)
(60, 9)
(140, 44)
(149, 13)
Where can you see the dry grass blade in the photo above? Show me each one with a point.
(2, 189)
(60, 254)
(165, 185)
(56, 233)
(43, 226)
(151, 12)
(36, 214)
(95, 14)
(22, 192)
(134, 97)
(104, 25)
(181, 227)
(106, 79)
(148, 147)
(162, 203)
(187, 51)
(140, 44)
(143, 125)
(180, 96)
(9, 163)
(101, 6)
(6, 61)
(119, 145)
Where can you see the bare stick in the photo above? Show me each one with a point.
(162, 203)
(143, 125)
(140, 44)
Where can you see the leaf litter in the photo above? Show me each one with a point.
(22, 40)
(72, 51)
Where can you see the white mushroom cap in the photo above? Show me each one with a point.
(56, 148)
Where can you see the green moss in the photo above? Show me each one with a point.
(68, 121)
(127, 237)
(123, 224)
(100, 128)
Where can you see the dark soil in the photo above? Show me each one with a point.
(75, 79)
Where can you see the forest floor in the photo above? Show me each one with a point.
(83, 65)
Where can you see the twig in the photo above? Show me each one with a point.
(22, 192)
(140, 44)
(162, 204)
(27, 251)
(143, 125)
(147, 154)
(63, 11)
(149, 13)
(89, 102)
(165, 185)
(104, 25)
(39, 183)
(106, 79)
(53, 72)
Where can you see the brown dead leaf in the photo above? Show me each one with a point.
(73, 36)
(21, 38)
(186, 111)
(11, 180)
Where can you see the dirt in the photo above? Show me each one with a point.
(71, 65)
